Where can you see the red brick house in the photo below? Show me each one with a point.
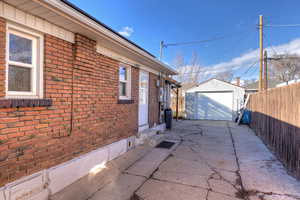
(73, 95)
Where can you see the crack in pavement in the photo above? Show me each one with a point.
(194, 186)
(232, 179)
(238, 184)
(135, 196)
(242, 193)
(220, 177)
(248, 193)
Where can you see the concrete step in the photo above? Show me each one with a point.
(151, 137)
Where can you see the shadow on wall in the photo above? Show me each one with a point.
(199, 106)
(281, 137)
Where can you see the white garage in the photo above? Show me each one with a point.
(214, 100)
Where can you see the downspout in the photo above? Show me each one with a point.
(159, 98)
(177, 94)
(72, 89)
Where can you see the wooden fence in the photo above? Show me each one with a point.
(181, 109)
(276, 119)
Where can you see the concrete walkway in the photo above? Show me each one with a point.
(218, 160)
(212, 160)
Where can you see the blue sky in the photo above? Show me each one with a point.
(147, 22)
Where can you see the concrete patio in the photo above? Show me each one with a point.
(212, 160)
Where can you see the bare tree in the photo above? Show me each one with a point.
(188, 73)
(225, 76)
(195, 68)
(179, 64)
(285, 67)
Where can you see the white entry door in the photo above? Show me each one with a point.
(143, 100)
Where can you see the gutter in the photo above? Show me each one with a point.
(75, 14)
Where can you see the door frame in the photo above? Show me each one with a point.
(143, 126)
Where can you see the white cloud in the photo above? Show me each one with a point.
(242, 63)
(126, 31)
(165, 62)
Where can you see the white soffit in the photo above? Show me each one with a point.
(18, 16)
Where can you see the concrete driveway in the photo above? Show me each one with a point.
(217, 160)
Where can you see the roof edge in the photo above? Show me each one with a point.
(68, 3)
(65, 7)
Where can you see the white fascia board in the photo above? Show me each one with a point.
(106, 52)
(60, 8)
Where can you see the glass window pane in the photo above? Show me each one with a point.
(122, 89)
(123, 74)
(19, 79)
(20, 49)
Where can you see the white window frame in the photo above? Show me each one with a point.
(127, 82)
(37, 61)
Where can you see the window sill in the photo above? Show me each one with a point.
(125, 101)
(21, 103)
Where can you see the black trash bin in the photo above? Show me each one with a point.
(168, 118)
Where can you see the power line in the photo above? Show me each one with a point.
(282, 25)
(195, 42)
(255, 70)
(269, 43)
(250, 67)
(203, 41)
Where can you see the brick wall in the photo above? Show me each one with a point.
(153, 100)
(85, 114)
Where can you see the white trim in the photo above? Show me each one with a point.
(37, 65)
(11, 13)
(116, 56)
(47, 182)
(143, 109)
(127, 82)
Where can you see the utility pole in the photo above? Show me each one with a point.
(161, 50)
(265, 70)
(261, 52)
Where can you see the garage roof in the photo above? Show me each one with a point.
(214, 85)
(219, 80)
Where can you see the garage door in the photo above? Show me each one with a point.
(212, 106)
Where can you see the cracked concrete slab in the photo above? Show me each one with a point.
(223, 187)
(174, 164)
(182, 178)
(225, 161)
(148, 164)
(215, 160)
(120, 189)
(261, 172)
(161, 190)
(184, 172)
